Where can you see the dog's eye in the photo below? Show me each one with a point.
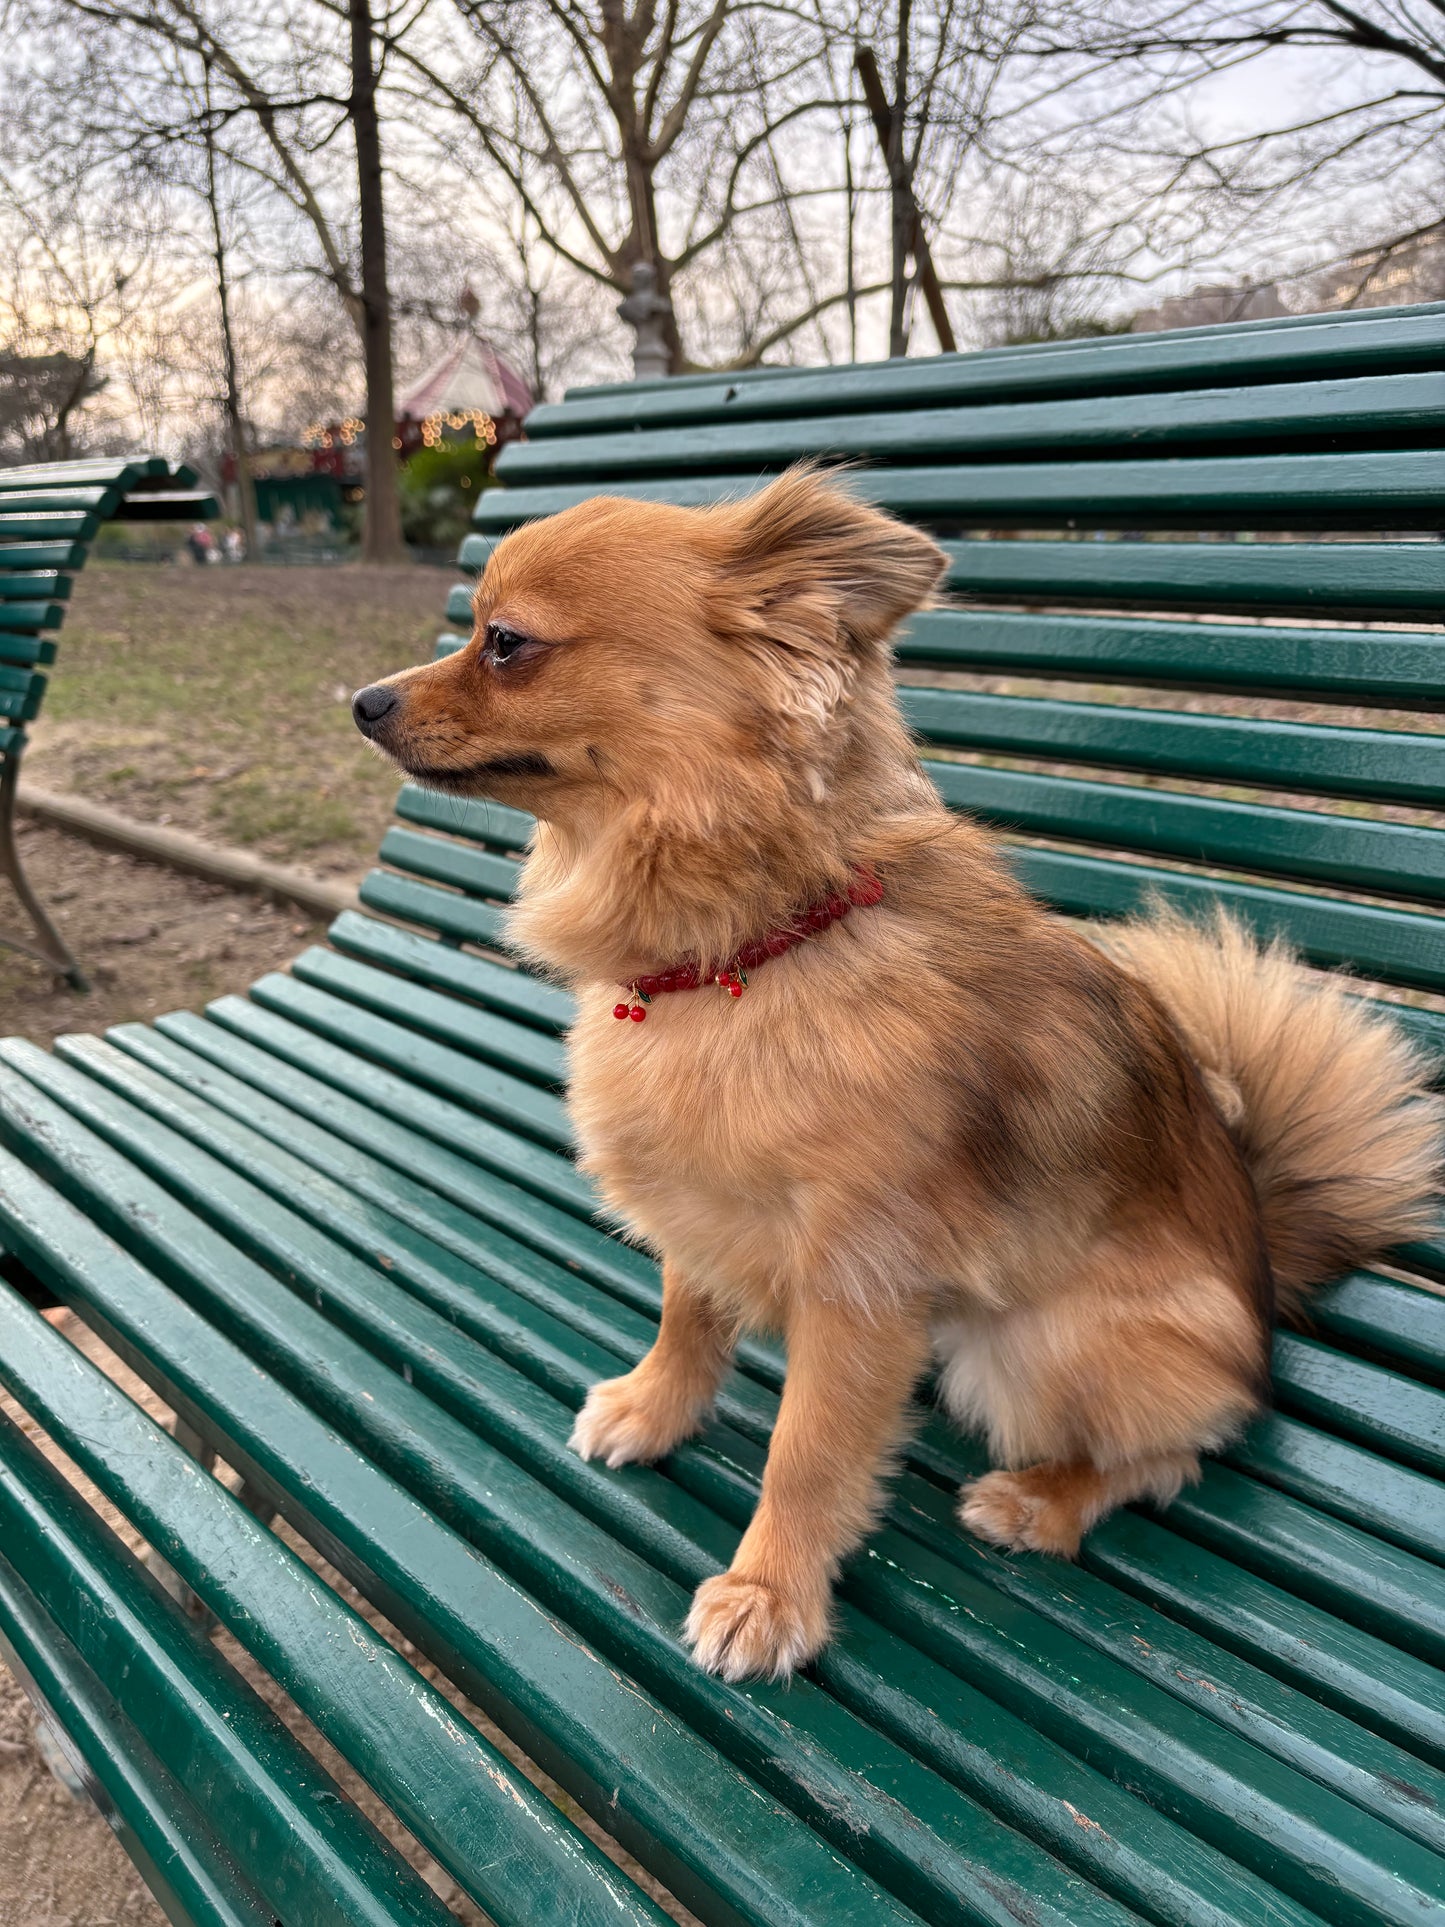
(502, 643)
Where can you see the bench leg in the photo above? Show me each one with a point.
(51, 948)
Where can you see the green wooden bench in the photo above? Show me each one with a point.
(334, 1224)
(50, 514)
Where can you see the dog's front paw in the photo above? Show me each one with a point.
(745, 1629)
(629, 1420)
(1023, 1511)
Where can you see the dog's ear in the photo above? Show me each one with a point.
(803, 542)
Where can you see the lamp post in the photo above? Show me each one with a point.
(647, 311)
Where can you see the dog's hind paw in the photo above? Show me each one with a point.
(1029, 1511)
(742, 1628)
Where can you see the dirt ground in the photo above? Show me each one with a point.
(217, 700)
(149, 939)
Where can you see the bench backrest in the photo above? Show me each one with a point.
(50, 513)
(1141, 532)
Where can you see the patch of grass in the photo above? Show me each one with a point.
(233, 670)
(256, 810)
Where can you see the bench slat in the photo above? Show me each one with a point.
(484, 822)
(1379, 765)
(504, 1842)
(454, 916)
(519, 1641)
(195, 1879)
(246, 1102)
(449, 1123)
(1393, 489)
(461, 865)
(1392, 859)
(514, 992)
(243, 1159)
(1354, 579)
(1395, 946)
(303, 1843)
(1380, 407)
(1390, 945)
(438, 1066)
(1390, 670)
(1333, 346)
(514, 1046)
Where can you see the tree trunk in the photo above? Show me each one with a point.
(381, 531)
(900, 199)
(235, 418)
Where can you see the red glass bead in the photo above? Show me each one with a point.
(637, 1013)
(619, 1010)
(735, 989)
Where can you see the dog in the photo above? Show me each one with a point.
(851, 1083)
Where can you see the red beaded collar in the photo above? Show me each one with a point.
(864, 890)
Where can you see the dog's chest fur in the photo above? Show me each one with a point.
(725, 1133)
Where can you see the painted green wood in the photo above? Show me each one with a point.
(74, 525)
(1379, 765)
(1381, 1778)
(19, 594)
(22, 616)
(1395, 946)
(1354, 579)
(1396, 1320)
(460, 865)
(1363, 1401)
(459, 596)
(1386, 1316)
(1178, 358)
(394, 1167)
(421, 1367)
(497, 1039)
(1379, 407)
(304, 1844)
(450, 1124)
(443, 910)
(1393, 859)
(437, 1066)
(96, 471)
(1391, 1692)
(1374, 1682)
(515, 992)
(196, 1882)
(1393, 489)
(151, 1213)
(484, 822)
(44, 555)
(1387, 1500)
(500, 1839)
(1360, 1578)
(21, 646)
(244, 1155)
(21, 691)
(1390, 670)
(495, 1639)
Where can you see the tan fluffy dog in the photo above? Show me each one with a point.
(947, 1126)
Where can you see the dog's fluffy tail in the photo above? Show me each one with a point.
(1329, 1103)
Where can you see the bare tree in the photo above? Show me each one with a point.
(645, 134)
(1349, 97)
(280, 89)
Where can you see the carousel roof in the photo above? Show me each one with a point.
(470, 374)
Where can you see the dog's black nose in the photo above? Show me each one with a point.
(371, 706)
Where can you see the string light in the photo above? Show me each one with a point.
(480, 423)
